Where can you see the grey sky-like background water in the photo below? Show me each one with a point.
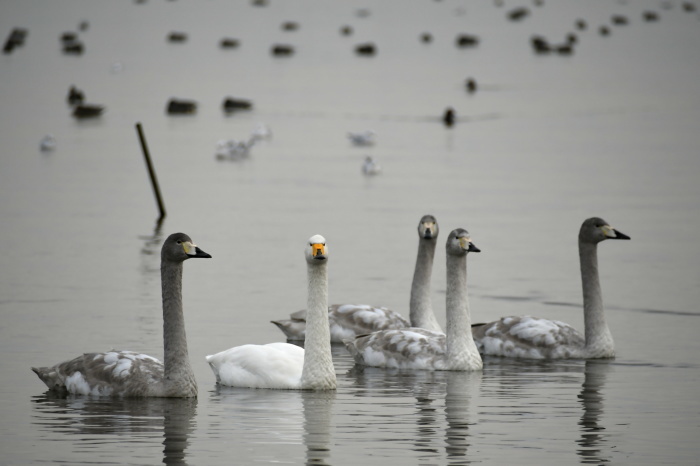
(544, 143)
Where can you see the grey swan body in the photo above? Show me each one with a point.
(130, 374)
(349, 320)
(284, 365)
(535, 338)
(418, 348)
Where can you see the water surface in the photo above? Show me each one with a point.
(545, 142)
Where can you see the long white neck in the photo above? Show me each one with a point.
(318, 372)
(179, 378)
(599, 340)
(421, 308)
(461, 352)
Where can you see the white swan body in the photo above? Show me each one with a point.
(416, 348)
(130, 374)
(283, 365)
(534, 338)
(349, 320)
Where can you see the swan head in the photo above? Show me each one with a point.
(179, 247)
(316, 251)
(595, 229)
(459, 243)
(428, 227)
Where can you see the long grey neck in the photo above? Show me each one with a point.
(459, 341)
(421, 308)
(597, 331)
(179, 377)
(318, 372)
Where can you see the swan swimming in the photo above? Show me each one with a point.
(284, 365)
(417, 348)
(535, 338)
(350, 320)
(130, 374)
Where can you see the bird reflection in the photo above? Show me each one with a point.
(273, 417)
(429, 388)
(119, 420)
(592, 440)
(317, 408)
(462, 388)
(152, 243)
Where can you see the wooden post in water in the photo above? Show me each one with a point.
(151, 172)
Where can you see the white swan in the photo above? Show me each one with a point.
(349, 320)
(283, 365)
(417, 348)
(129, 374)
(535, 338)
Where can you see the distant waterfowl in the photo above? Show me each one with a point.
(75, 96)
(619, 20)
(261, 132)
(363, 13)
(540, 45)
(15, 39)
(518, 14)
(471, 85)
(650, 16)
(229, 43)
(284, 365)
(417, 348)
(362, 138)
(87, 111)
(181, 107)
(177, 37)
(233, 149)
(467, 40)
(426, 37)
(535, 338)
(282, 50)
(689, 7)
(604, 31)
(47, 143)
(130, 374)
(84, 25)
(349, 320)
(231, 104)
(69, 36)
(581, 25)
(346, 30)
(73, 48)
(448, 118)
(366, 49)
(370, 167)
(290, 26)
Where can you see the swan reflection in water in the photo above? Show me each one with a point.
(279, 420)
(591, 398)
(458, 389)
(121, 421)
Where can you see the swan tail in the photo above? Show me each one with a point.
(292, 329)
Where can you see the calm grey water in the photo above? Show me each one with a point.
(546, 142)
